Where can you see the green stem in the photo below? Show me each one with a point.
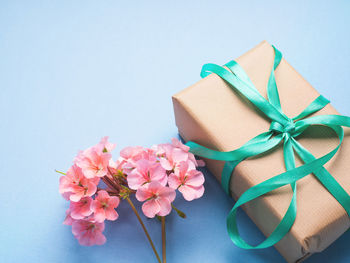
(144, 228)
(163, 240)
(60, 172)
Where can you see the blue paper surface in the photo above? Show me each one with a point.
(74, 71)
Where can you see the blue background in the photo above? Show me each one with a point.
(74, 71)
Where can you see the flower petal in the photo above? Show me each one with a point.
(167, 192)
(100, 239)
(200, 163)
(114, 201)
(189, 193)
(166, 164)
(100, 215)
(180, 145)
(150, 208)
(91, 188)
(143, 194)
(165, 206)
(194, 178)
(174, 181)
(135, 180)
(158, 173)
(179, 155)
(75, 197)
(111, 214)
(102, 194)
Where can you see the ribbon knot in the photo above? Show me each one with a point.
(282, 129)
(288, 128)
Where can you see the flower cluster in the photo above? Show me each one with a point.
(153, 174)
(89, 206)
(157, 172)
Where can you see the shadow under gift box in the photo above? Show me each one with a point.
(212, 114)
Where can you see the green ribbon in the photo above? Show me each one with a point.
(282, 129)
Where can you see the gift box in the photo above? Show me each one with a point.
(212, 114)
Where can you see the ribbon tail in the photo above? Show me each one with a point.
(328, 181)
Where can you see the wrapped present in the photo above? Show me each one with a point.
(276, 146)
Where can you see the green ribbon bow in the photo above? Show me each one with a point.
(282, 129)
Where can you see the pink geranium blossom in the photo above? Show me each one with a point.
(104, 205)
(188, 181)
(146, 171)
(158, 198)
(81, 209)
(93, 162)
(132, 153)
(171, 155)
(129, 156)
(88, 232)
(75, 185)
(178, 144)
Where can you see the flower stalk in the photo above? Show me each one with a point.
(124, 192)
(163, 240)
(143, 227)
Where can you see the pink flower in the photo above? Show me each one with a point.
(132, 152)
(103, 206)
(68, 220)
(188, 181)
(81, 209)
(88, 232)
(171, 155)
(93, 162)
(178, 144)
(146, 171)
(76, 185)
(130, 155)
(158, 198)
(104, 145)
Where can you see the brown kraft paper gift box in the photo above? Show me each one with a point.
(214, 115)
